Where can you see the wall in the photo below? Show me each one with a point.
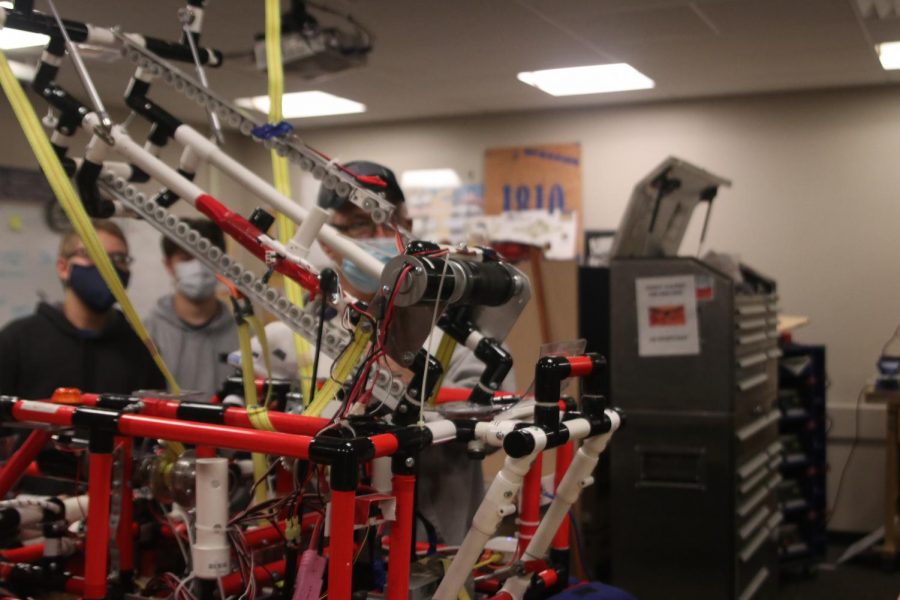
(813, 205)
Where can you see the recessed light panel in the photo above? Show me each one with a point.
(593, 79)
(300, 105)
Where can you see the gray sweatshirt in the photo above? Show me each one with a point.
(451, 485)
(194, 354)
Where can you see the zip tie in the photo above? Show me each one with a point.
(267, 131)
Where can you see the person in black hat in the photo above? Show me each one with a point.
(451, 485)
(354, 222)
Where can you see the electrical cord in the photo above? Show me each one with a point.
(853, 445)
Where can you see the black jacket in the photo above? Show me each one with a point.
(44, 351)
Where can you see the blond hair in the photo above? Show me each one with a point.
(70, 239)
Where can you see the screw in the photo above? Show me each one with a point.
(402, 408)
(507, 494)
(407, 357)
(385, 289)
(409, 462)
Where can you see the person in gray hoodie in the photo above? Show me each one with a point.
(192, 328)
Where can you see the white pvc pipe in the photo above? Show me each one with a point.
(188, 136)
(442, 430)
(211, 553)
(381, 474)
(497, 503)
(137, 155)
(577, 477)
(308, 231)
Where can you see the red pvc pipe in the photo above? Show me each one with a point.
(446, 395)
(530, 513)
(15, 467)
(564, 455)
(250, 440)
(401, 537)
(43, 412)
(237, 417)
(95, 552)
(233, 583)
(580, 366)
(340, 563)
(75, 585)
(25, 554)
(124, 533)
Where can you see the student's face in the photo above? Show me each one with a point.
(177, 258)
(116, 248)
(354, 223)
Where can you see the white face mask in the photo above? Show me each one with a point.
(195, 280)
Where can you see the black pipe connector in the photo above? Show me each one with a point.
(86, 179)
(343, 456)
(498, 362)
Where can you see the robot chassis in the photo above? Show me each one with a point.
(477, 295)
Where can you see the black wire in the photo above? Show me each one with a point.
(315, 369)
(840, 485)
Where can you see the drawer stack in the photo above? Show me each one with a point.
(699, 463)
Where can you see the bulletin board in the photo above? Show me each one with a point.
(535, 178)
(29, 246)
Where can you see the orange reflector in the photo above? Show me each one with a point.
(66, 396)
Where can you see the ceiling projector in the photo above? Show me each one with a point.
(311, 50)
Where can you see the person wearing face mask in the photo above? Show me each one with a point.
(192, 328)
(451, 485)
(83, 343)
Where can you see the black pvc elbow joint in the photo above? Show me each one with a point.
(86, 179)
(344, 457)
(498, 362)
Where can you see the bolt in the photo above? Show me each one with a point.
(409, 462)
(402, 408)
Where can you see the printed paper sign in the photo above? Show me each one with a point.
(667, 316)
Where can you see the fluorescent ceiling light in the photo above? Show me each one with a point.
(299, 105)
(889, 55)
(593, 79)
(430, 178)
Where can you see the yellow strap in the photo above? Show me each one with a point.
(257, 414)
(281, 177)
(342, 369)
(264, 346)
(292, 529)
(74, 209)
(444, 352)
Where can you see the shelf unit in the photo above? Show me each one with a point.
(802, 432)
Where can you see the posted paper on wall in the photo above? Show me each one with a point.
(667, 316)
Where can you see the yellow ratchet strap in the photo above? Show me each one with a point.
(264, 346)
(344, 366)
(257, 414)
(281, 178)
(71, 203)
(444, 352)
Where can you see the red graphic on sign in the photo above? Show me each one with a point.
(667, 316)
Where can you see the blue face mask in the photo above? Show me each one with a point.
(88, 285)
(384, 249)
